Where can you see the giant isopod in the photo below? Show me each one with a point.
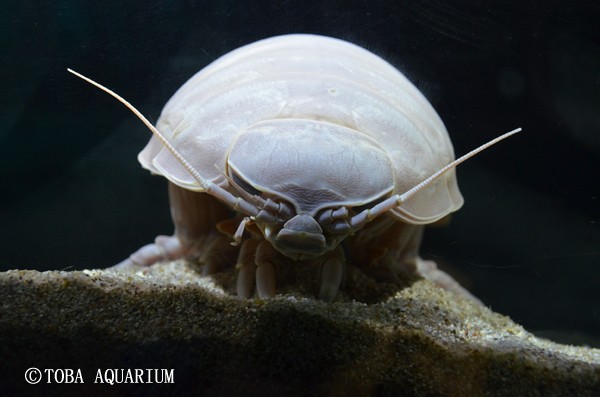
(302, 150)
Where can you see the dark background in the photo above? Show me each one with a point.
(527, 241)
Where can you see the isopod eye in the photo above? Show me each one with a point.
(241, 183)
(360, 208)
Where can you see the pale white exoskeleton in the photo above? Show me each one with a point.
(327, 154)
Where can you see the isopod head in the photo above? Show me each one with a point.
(310, 169)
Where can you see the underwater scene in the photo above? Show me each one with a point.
(526, 241)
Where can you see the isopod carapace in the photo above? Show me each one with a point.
(303, 150)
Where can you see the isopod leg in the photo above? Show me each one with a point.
(246, 269)
(332, 272)
(386, 249)
(392, 252)
(215, 254)
(164, 248)
(429, 270)
(265, 270)
(195, 216)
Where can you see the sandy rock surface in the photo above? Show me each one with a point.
(374, 341)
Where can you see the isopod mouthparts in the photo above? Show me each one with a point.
(325, 153)
(301, 235)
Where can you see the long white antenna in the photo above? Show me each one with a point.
(396, 200)
(203, 182)
(236, 203)
(408, 194)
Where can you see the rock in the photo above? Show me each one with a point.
(416, 341)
